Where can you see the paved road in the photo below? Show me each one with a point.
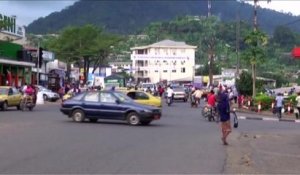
(45, 141)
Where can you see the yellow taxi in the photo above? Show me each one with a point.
(68, 95)
(9, 96)
(144, 98)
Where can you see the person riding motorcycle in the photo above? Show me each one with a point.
(29, 93)
(197, 95)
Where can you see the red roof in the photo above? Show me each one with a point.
(296, 52)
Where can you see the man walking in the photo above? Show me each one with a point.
(279, 103)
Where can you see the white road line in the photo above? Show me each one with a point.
(297, 121)
(271, 119)
(242, 117)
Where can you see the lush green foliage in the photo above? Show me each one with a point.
(244, 84)
(265, 100)
(87, 45)
(128, 16)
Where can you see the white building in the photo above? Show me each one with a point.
(166, 60)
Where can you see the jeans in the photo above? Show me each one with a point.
(279, 111)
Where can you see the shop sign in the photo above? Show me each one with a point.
(48, 56)
(112, 81)
(11, 27)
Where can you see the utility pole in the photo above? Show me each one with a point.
(208, 8)
(255, 15)
(238, 42)
(38, 65)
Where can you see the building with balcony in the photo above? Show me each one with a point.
(166, 60)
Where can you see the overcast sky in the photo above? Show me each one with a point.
(29, 10)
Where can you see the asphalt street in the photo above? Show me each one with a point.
(45, 141)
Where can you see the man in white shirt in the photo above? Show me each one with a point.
(279, 103)
(170, 92)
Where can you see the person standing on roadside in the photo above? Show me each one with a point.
(298, 105)
(224, 112)
(279, 103)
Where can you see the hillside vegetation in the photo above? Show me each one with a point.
(127, 17)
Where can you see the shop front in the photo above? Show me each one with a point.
(15, 73)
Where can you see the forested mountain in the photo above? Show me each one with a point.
(127, 17)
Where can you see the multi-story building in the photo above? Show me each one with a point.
(15, 66)
(166, 60)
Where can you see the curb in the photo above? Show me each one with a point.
(268, 119)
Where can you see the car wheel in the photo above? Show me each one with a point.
(145, 122)
(93, 120)
(133, 118)
(78, 115)
(4, 106)
(45, 97)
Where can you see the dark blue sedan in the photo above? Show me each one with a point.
(108, 105)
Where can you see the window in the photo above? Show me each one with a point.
(174, 51)
(156, 70)
(141, 96)
(183, 70)
(78, 97)
(92, 97)
(15, 91)
(174, 71)
(106, 97)
(165, 70)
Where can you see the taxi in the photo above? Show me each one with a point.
(9, 97)
(144, 98)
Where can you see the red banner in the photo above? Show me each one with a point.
(296, 52)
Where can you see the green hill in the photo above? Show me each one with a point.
(124, 17)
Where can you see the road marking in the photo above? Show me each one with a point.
(271, 119)
(242, 117)
(297, 121)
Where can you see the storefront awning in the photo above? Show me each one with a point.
(18, 63)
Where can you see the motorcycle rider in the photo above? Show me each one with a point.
(197, 94)
(170, 93)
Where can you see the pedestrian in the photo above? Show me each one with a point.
(224, 112)
(298, 105)
(279, 103)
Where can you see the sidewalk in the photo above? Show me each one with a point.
(265, 115)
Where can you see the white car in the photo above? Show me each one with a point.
(48, 95)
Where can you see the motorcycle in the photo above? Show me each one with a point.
(169, 101)
(27, 102)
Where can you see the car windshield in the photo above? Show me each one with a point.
(3, 91)
(122, 97)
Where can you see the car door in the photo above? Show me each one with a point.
(91, 104)
(142, 98)
(16, 97)
(110, 108)
(10, 97)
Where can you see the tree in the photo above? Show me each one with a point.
(4, 24)
(244, 84)
(88, 46)
(284, 37)
(255, 52)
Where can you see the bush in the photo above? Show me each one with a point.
(266, 101)
(292, 99)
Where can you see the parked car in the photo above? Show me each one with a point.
(9, 97)
(144, 98)
(111, 105)
(48, 95)
(180, 93)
